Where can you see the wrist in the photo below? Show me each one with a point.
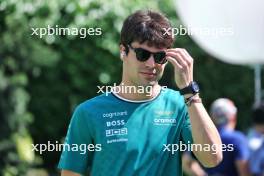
(183, 85)
(186, 96)
(189, 100)
(192, 89)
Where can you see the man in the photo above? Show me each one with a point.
(256, 142)
(136, 129)
(235, 151)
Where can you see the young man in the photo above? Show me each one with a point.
(135, 131)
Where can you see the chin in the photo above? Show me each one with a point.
(149, 83)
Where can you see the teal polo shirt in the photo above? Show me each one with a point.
(127, 138)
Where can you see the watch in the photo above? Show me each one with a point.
(192, 88)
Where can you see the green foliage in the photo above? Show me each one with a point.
(43, 79)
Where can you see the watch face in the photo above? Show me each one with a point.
(195, 87)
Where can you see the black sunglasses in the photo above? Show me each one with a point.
(143, 55)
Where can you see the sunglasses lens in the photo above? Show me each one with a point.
(160, 57)
(142, 55)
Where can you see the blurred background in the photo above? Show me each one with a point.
(43, 79)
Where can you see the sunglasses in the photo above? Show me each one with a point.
(143, 55)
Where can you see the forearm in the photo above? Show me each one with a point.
(204, 132)
(203, 129)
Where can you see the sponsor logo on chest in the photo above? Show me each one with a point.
(164, 121)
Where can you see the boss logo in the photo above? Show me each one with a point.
(115, 123)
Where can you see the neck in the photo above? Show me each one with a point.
(231, 126)
(133, 92)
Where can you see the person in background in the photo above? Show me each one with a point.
(235, 161)
(256, 142)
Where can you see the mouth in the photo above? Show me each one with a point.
(149, 74)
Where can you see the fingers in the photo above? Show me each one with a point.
(181, 55)
(178, 58)
(175, 63)
(183, 65)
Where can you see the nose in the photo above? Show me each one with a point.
(150, 62)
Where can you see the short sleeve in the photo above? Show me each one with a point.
(75, 155)
(186, 131)
(241, 148)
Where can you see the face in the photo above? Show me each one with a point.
(138, 73)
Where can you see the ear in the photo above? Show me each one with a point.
(122, 51)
